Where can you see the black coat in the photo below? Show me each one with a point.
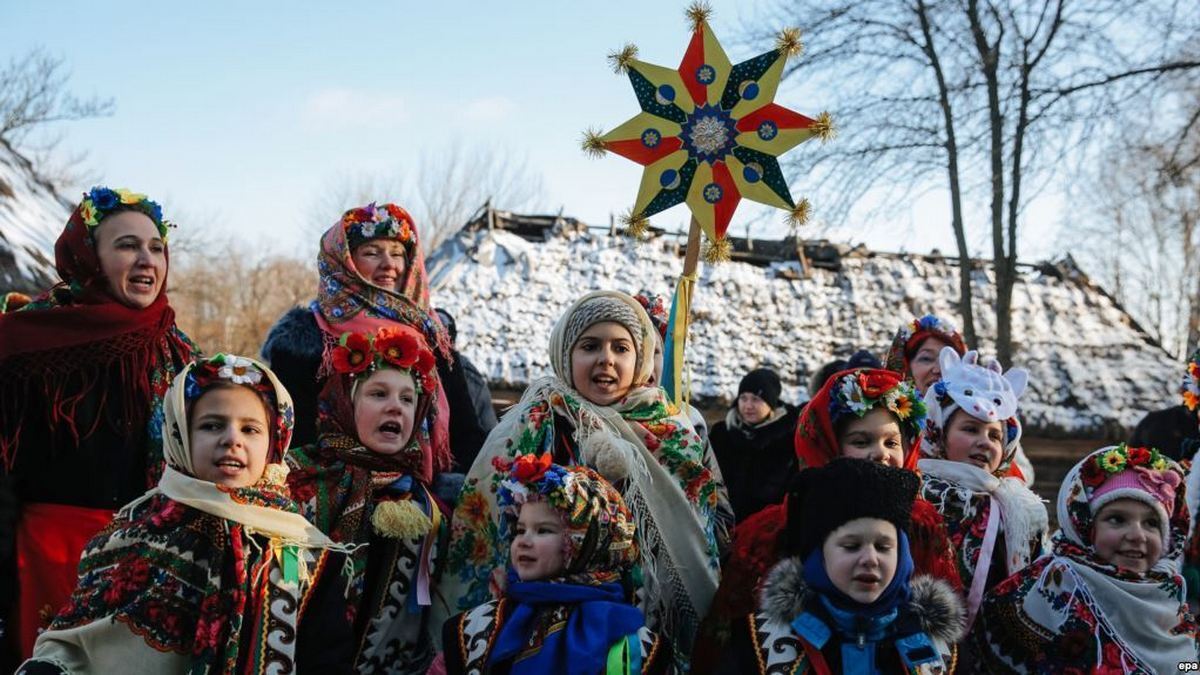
(757, 463)
(1174, 431)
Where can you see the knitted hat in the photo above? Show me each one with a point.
(910, 336)
(763, 383)
(1190, 387)
(601, 534)
(598, 308)
(1122, 472)
(825, 498)
(982, 392)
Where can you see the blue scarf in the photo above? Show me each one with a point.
(862, 626)
(896, 593)
(599, 619)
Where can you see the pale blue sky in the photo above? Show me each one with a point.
(240, 114)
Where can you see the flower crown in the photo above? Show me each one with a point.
(235, 369)
(1190, 387)
(530, 475)
(100, 201)
(386, 221)
(357, 353)
(858, 392)
(1099, 468)
(928, 323)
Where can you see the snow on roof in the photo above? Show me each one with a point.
(1092, 370)
(32, 214)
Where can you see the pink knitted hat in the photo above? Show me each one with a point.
(1143, 483)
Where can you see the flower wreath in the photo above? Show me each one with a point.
(1099, 468)
(386, 221)
(101, 201)
(530, 478)
(857, 393)
(357, 354)
(927, 323)
(1190, 387)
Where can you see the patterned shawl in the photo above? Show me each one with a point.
(75, 339)
(1073, 610)
(644, 444)
(194, 575)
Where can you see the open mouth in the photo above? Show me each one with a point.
(230, 466)
(141, 282)
(391, 428)
(980, 459)
(867, 578)
(526, 560)
(1132, 555)
(604, 381)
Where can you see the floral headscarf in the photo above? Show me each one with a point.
(854, 393)
(909, 337)
(600, 531)
(1074, 609)
(347, 302)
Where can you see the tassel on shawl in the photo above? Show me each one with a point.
(400, 519)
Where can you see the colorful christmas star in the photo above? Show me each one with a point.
(709, 132)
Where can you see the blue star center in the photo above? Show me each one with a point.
(708, 134)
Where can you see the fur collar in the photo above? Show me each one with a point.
(934, 602)
(295, 333)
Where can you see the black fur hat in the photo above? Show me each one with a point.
(824, 498)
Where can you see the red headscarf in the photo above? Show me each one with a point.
(76, 337)
(816, 441)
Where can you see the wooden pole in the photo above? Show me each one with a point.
(692, 255)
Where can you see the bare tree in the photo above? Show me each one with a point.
(450, 185)
(982, 97)
(33, 93)
(226, 299)
(1138, 218)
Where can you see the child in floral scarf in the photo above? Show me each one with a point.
(213, 571)
(564, 609)
(997, 525)
(595, 410)
(367, 482)
(1110, 597)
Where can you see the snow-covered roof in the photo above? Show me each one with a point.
(32, 214)
(1092, 370)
